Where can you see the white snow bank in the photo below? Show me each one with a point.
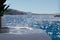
(24, 33)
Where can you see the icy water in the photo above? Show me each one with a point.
(48, 23)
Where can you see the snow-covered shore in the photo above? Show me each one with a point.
(24, 33)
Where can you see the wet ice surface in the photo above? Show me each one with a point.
(24, 33)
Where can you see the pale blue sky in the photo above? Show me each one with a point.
(35, 6)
